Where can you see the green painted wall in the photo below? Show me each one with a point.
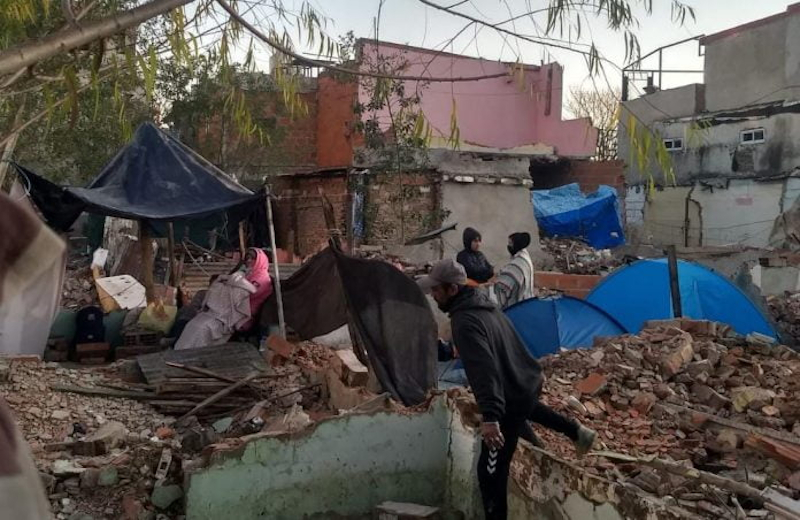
(343, 467)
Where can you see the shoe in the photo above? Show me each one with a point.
(585, 441)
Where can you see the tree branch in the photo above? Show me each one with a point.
(22, 56)
(314, 63)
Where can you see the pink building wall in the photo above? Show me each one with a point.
(499, 113)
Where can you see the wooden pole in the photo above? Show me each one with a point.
(278, 293)
(674, 285)
(242, 240)
(146, 245)
(173, 267)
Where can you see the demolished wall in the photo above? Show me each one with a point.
(347, 465)
(738, 211)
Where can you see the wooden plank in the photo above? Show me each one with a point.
(749, 428)
(219, 395)
(102, 392)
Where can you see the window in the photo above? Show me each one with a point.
(753, 136)
(673, 145)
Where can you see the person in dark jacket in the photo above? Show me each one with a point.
(475, 263)
(505, 378)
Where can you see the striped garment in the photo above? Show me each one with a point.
(514, 283)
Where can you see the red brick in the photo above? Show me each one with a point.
(594, 384)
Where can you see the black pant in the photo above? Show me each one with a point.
(493, 468)
(552, 420)
(494, 465)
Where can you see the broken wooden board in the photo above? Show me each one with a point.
(232, 360)
(786, 454)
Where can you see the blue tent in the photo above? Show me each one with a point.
(546, 324)
(566, 212)
(640, 292)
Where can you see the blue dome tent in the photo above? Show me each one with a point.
(546, 324)
(641, 292)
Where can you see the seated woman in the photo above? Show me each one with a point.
(230, 304)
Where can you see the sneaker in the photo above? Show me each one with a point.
(586, 438)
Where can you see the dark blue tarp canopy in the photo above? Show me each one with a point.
(640, 292)
(566, 212)
(155, 177)
(547, 324)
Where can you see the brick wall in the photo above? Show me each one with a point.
(335, 121)
(591, 174)
(292, 144)
(577, 285)
(300, 225)
(401, 206)
(588, 174)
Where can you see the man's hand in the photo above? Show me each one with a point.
(492, 436)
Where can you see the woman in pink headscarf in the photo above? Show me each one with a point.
(231, 304)
(258, 275)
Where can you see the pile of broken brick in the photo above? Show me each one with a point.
(688, 411)
(104, 455)
(785, 310)
(572, 256)
(78, 290)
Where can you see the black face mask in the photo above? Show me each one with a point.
(445, 307)
(511, 250)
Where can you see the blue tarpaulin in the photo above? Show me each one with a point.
(641, 292)
(548, 324)
(566, 212)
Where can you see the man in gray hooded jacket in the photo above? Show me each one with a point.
(505, 378)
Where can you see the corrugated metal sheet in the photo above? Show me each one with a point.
(234, 360)
(196, 276)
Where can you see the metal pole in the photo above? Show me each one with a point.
(675, 289)
(278, 293)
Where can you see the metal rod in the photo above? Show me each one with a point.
(642, 58)
(278, 293)
(674, 285)
(634, 71)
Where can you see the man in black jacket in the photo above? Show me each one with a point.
(475, 263)
(504, 377)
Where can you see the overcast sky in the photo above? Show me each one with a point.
(411, 22)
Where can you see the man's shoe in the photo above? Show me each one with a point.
(585, 441)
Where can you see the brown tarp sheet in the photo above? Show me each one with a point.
(391, 316)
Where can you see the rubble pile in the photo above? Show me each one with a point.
(689, 392)
(785, 309)
(94, 454)
(79, 290)
(572, 256)
(105, 450)
(402, 264)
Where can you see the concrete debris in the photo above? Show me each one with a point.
(164, 496)
(405, 511)
(691, 392)
(109, 446)
(575, 257)
(785, 310)
(78, 290)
